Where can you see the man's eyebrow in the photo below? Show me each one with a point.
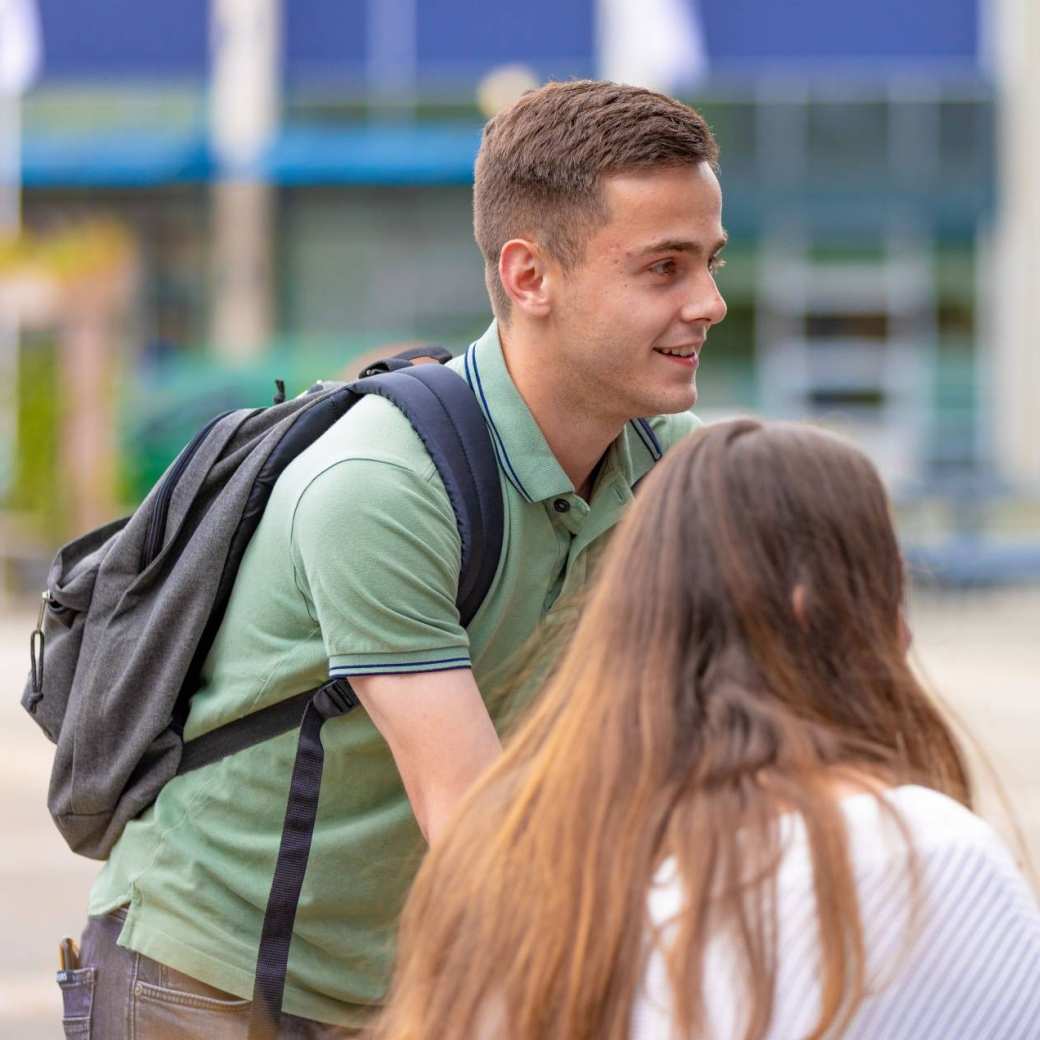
(681, 245)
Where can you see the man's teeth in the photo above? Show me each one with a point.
(676, 353)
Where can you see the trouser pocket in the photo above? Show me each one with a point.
(77, 999)
(174, 1006)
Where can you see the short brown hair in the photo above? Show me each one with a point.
(540, 162)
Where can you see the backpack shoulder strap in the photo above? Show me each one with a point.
(444, 412)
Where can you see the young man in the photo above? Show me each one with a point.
(598, 213)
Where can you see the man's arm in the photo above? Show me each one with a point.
(440, 735)
(377, 555)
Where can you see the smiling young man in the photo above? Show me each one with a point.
(598, 212)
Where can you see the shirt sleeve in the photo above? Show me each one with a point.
(377, 556)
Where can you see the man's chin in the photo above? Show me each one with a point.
(676, 401)
(660, 401)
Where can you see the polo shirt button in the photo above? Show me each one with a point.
(561, 505)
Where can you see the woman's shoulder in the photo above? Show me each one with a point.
(969, 881)
(938, 826)
(971, 897)
(884, 829)
(879, 824)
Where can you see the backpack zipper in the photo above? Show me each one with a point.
(157, 524)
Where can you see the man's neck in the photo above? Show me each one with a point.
(575, 433)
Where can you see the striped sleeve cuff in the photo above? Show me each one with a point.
(399, 663)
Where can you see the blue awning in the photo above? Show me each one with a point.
(398, 154)
(401, 155)
(126, 158)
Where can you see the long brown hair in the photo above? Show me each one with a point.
(741, 651)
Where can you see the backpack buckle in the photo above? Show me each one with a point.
(335, 698)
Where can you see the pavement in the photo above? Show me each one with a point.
(980, 651)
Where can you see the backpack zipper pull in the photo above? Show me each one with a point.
(37, 640)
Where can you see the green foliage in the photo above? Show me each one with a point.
(166, 403)
(38, 488)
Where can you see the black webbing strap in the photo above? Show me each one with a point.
(333, 699)
(443, 411)
(262, 725)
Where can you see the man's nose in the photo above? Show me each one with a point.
(706, 304)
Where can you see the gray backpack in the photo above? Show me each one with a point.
(132, 608)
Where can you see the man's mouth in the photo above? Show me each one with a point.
(682, 355)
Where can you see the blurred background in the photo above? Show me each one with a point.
(199, 197)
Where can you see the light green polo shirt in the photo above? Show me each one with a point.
(353, 571)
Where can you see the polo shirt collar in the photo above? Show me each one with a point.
(524, 455)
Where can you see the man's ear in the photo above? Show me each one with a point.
(524, 274)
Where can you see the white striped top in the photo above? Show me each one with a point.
(971, 971)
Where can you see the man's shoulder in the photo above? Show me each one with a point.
(374, 430)
(367, 469)
(374, 441)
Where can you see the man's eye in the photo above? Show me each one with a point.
(663, 267)
(716, 263)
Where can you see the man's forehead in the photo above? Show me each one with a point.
(698, 180)
(677, 206)
(676, 203)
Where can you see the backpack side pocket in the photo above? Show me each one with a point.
(58, 637)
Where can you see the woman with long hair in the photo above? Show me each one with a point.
(734, 813)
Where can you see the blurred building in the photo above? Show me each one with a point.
(859, 163)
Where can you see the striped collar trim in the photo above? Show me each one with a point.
(472, 371)
(646, 434)
(524, 456)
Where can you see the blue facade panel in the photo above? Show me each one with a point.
(115, 39)
(324, 39)
(462, 38)
(472, 36)
(835, 30)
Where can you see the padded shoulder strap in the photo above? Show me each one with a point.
(445, 414)
(441, 407)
